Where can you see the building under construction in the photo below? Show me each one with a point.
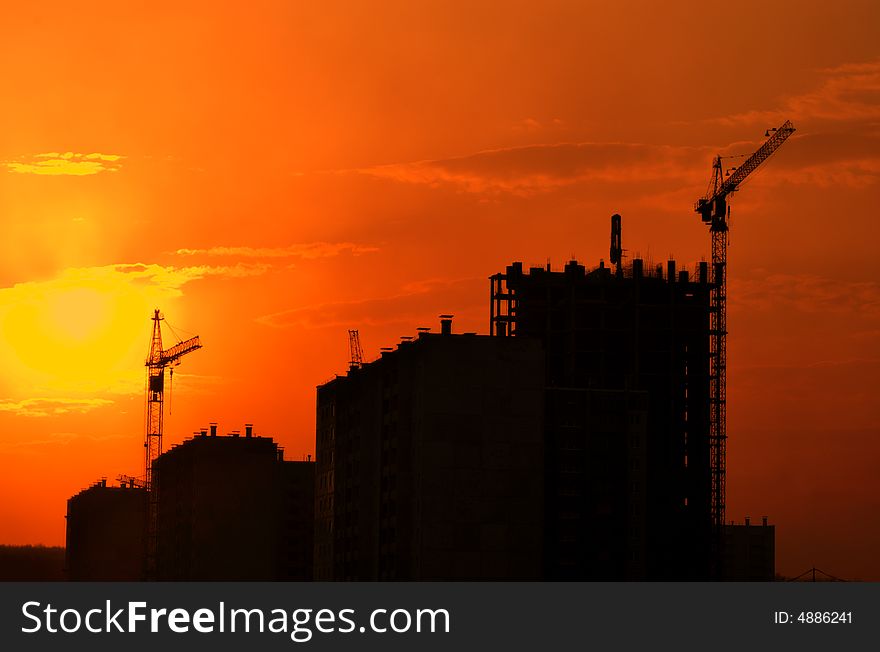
(430, 462)
(232, 508)
(570, 444)
(626, 432)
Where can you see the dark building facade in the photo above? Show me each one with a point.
(430, 463)
(749, 552)
(231, 508)
(596, 494)
(627, 475)
(106, 534)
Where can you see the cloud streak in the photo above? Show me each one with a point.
(847, 93)
(66, 164)
(173, 278)
(60, 439)
(415, 300)
(167, 278)
(308, 251)
(807, 295)
(838, 146)
(541, 168)
(44, 407)
(848, 159)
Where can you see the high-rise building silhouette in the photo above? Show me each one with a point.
(106, 533)
(430, 462)
(627, 468)
(231, 508)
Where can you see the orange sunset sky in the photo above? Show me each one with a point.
(273, 175)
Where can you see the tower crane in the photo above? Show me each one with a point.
(157, 360)
(130, 481)
(356, 360)
(715, 212)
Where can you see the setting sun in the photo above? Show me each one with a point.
(78, 315)
(84, 331)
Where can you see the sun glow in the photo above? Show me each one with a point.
(77, 314)
(86, 330)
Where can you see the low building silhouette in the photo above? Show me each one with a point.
(32, 563)
(430, 463)
(627, 475)
(749, 551)
(231, 508)
(106, 533)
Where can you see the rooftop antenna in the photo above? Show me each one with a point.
(616, 247)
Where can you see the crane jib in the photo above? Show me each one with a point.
(751, 164)
(179, 350)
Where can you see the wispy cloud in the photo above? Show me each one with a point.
(111, 278)
(850, 92)
(414, 301)
(533, 125)
(44, 407)
(822, 159)
(173, 278)
(308, 250)
(540, 168)
(64, 438)
(66, 164)
(848, 98)
(847, 157)
(852, 362)
(806, 294)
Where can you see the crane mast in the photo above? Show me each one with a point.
(715, 212)
(157, 360)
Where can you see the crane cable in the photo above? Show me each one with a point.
(170, 388)
(174, 331)
(171, 370)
